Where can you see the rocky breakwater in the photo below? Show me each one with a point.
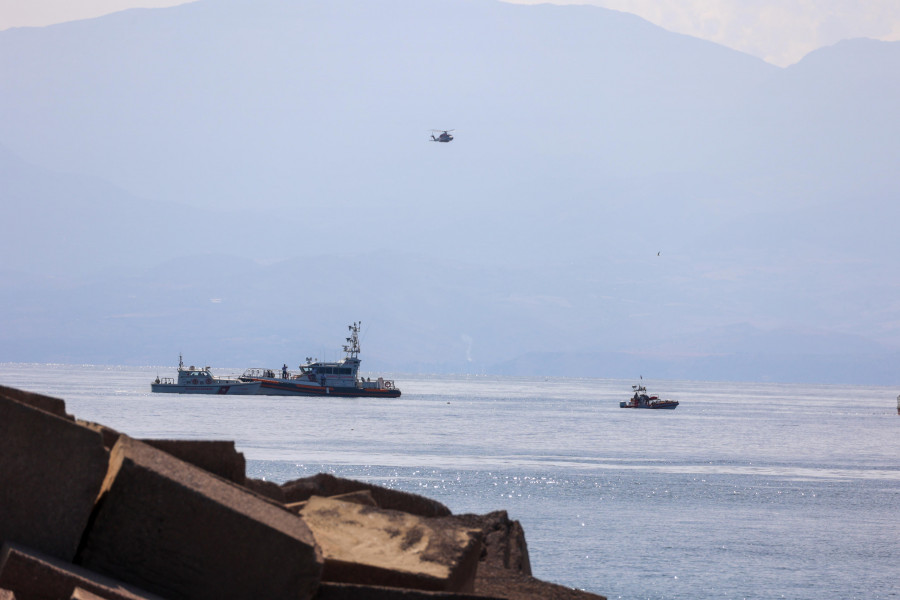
(87, 512)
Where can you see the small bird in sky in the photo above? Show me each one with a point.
(657, 253)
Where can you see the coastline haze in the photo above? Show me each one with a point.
(240, 181)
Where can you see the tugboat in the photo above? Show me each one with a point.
(642, 400)
(317, 378)
(201, 381)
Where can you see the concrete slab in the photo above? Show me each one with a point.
(268, 489)
(218, 457)
(173, 529)
(80, 594)
(509, 584)
(503, 538)
(52, 405)
(36, 576)
(326, 485)
(51, 470)
(349, 591)
(363, 497)
(110, 435)
(371, 546)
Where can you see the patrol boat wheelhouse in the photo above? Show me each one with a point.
(317, 378)
(201, 381)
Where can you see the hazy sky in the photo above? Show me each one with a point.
(779, 31)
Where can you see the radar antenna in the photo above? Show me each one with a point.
(352, 348)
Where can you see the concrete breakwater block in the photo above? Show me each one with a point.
(35, 576)
(506, 583)
(171, 528)
(80, 594)
(504, 540)
(54, 406)
(110, 435)
(361, 497)
(267, 489)
(350, 591)
(51, 470)
(372, 546)
(218, 457)
(326, 485)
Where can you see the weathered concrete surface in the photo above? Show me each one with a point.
(50, 472)
(326, 485)
(80, 594)
(268, 489)
(35, 576)
(218, 457)
(506, 583)
(504, 540)
(173, 529)
(349, 591)
(363, 497)
(372, 546)
(110, 435)
(49, 404)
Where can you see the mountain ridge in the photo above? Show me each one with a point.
(609, 181)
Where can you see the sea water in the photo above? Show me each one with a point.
(759, 490)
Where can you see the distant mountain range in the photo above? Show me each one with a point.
(240, 180)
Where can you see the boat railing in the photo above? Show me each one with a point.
(270, 373)
(273, 374)
(165, 380)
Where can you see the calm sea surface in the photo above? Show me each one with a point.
(744, 491)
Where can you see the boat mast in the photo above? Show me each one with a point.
(352, 348)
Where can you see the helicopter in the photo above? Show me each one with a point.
(444, 137)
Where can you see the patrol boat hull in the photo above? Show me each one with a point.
(281, 387)
(319, 378)
(661, 404)
(241, 388)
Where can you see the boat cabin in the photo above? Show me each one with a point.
(334, 374)
(194, 376)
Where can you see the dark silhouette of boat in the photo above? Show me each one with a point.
(641, 399)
